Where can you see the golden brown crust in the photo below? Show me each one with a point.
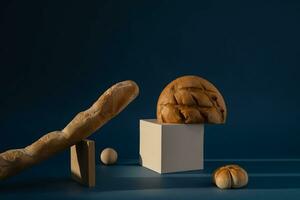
(191, 99)
(110, 103)
(230, 176)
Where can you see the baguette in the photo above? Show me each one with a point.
(110, 103)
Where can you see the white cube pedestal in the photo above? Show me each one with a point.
(167, 148)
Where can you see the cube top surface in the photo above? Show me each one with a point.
(154, 121)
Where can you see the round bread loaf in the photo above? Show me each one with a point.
(191, 99)
(230, 176)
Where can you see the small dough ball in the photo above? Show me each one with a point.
(109, 156)
(230, 176)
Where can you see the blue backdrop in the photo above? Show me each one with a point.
(57, 57)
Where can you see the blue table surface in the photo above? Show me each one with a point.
(268, 179)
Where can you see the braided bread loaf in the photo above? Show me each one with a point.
(110, 103)
(191, 99)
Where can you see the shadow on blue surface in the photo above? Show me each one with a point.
(130, 176)
(267, 182)
(126, 183)
(37, 184)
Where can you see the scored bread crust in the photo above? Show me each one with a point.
(230, 176)
(191, 99)
(110, 103)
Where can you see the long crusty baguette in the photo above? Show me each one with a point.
(110, 103)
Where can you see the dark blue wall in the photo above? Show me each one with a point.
(57, 57)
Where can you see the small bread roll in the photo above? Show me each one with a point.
(230, 176)
(191, 99)
(109, 156)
